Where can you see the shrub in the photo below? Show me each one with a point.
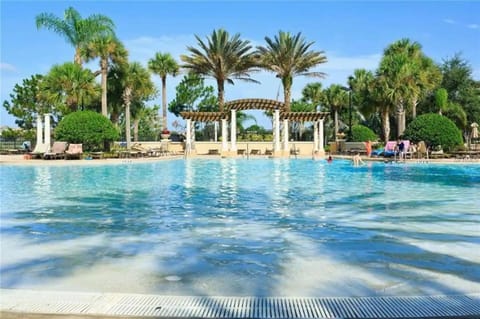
(361, 133)
(435, 130)
(89, 128)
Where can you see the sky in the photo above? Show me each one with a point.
(353, 34)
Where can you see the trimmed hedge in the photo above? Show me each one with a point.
(435, 130)
(89, 128)
(361, 133)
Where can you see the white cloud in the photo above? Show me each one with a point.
(7, 67)
(473, 26)
(449, 21)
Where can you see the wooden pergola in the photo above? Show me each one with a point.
(277, 108)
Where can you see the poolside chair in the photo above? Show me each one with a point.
(39, 150)
(56, 151)
(74, 151)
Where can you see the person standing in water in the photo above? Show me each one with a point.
(357, 160)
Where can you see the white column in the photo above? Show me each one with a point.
(315, 136)
(224, 136)
(188, 143)
(215, 129)
(47, 130)
(233, 133)
(285, 136)
(39, 131)
(320, 136)
(276, 131)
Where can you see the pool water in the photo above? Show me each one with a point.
(243, 227)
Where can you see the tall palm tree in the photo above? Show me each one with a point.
(110, 50)
(288, 56)
(137, 87)
(71, 86)
(408, 76)
(223, 58)
(335, 98)
(77, 31)
(378, 98)
(163, 64)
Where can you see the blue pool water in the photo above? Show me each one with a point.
(242, 227)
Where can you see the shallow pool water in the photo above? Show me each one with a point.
(256, 227)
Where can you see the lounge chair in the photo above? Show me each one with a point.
(39, 151)
(56, 151)
(74, 151)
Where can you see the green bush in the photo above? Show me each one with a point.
(89, 128)
(435, 130)
(361, 133)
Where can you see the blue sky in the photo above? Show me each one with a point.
(352, 34)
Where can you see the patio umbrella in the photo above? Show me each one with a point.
(474, 130)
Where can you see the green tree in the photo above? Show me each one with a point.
(398, 69)
(288, 56)
(223, 58)
(312, 93)
(193, 94)
(137, 88)
(110, 50)
(361, 133)
(163, 64)
(26, 103)
(77, 31)
(70, 88)
(336, 98)
(461, 87)
(435, 130)
(88, 128)
(441, 100)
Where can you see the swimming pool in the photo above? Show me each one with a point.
(242, 227)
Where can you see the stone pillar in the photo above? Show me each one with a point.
(188, 143)
(315, 136)
(285, 138)
(320, 137)
(233, 129)
(39, 132)
(192, 134)
(224, 136)
(276, 131)
(47, 130)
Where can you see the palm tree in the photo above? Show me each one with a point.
(312, 93)
(71, 86)
(223, 58)
(336, 98)
(108, 49)
(408, 75)
(137, 87)
(289, 56)
(378, 98)
(77, 31)
(163, 65)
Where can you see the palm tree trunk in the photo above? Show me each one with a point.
(164, 101)
(221, 94)
(287, 93)
(135, 129)
(386, 126)
(336, 126)
(127, 97)
(400, 120)
(78, 57)
(414, 107)
(104, 87)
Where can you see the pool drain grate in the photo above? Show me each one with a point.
(112, 304)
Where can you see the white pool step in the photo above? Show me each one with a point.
(115, 304)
